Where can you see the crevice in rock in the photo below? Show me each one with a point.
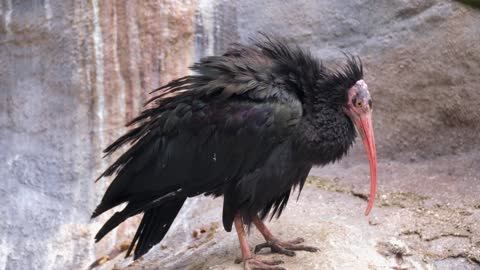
(359, 195)
(436, 237)
(465, 256)
(446, 235)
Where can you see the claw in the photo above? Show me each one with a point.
(297, 240)
(275, 248)
(286, 248)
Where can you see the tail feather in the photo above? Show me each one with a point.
(154, 225)
(159, 215)
(145, 241)
(133, 208)
(137, 235)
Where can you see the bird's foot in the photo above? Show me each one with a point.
(285, 247)
(253, 263)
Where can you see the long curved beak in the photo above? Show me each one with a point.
(365, 128)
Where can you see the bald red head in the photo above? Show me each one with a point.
(359, 109)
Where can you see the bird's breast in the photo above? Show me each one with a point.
(324, 140)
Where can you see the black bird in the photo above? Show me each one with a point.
(248, 126)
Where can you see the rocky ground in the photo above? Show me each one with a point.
(426, 217)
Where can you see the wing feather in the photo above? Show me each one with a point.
(203, 131)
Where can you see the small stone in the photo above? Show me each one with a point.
(124, 245)
(373, 221)
(103, 260)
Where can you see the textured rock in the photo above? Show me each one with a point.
(71, 74)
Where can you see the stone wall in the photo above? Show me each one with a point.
(71, 74)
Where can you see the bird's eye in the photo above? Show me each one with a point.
(357, 102)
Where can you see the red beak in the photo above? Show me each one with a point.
(364, 126)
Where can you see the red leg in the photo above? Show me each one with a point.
(250, 262)
(277, 246)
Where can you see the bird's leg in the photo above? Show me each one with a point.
(277, 246)
(249, 261)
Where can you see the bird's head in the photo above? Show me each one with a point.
(346, 90)
(359, 109)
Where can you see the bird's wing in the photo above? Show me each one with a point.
(201, 134)
(203, 130)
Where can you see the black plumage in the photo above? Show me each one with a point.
(249, 125)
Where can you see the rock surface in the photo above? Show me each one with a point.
(71, 74)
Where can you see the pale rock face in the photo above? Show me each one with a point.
(72, 73)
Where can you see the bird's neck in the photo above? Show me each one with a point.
(324, 136)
